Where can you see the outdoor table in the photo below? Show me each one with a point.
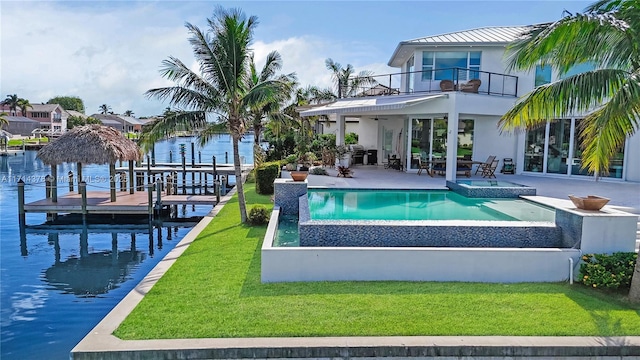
(459, 162)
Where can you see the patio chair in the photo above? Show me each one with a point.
(423, 165)
(490, 171)
(471, 86)
(486, 164)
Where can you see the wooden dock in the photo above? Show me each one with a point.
(98, 202)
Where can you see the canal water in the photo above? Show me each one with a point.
(59, 283)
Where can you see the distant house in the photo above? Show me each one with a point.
(121, 122)
(76, 113)
(52, 118)
(20, 125)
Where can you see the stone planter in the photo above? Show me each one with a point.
(299, 175)
(591, 202)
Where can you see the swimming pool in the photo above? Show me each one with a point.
(419, 205)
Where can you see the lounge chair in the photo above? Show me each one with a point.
(447, 85)
(486, 164)
(471, 86)
(490, 171)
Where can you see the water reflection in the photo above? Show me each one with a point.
(92, 269)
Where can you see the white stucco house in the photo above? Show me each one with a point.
(436, 94)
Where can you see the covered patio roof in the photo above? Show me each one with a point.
(359, 105)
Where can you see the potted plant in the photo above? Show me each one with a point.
(306, 160)
(343, 155)
(292, 162)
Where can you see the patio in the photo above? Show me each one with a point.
(624, 196)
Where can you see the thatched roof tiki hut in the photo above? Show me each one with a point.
(90, 144)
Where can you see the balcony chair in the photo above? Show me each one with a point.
(470, 86)
(447, 85)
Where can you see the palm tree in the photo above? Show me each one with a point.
(260, 113)
(3, 120)
(104, 109)
(606, 35)
(223, 85)
(12, 102)
(128, 113)
(24, 104)
(348, 85)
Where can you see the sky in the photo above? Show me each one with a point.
(110, 52)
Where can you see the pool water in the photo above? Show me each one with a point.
(287, 235)
(419, 205)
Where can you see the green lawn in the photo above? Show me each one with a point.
(18, 142)
(214, 290)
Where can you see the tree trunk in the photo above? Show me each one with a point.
(634, 291)
(238, 172)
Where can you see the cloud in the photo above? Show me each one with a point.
(111, 54)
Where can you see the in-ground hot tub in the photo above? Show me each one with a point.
(490, 189)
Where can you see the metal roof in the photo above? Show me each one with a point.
(21, 119)
(492, 34)
(367, 104)
(484, 36)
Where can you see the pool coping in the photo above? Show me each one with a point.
(99, 343)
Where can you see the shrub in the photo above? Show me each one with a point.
(291, 159)
(258, 215)
(350, 138)
(265, 175)
(251, 177)
(318, 171)
(608, 271)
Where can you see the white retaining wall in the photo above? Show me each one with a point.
(508, 265)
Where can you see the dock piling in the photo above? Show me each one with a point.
(226, 157)
(216, 189)
(150, 202)
(82, 188)
(131, 178)
(153, 155)
(21, 212)
(54, 183)
(170, 156)
(184, 174)
(70, 173)
(159, 195)
(112, 181)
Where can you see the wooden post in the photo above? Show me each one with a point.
(216, 189)
(226, 157)
(112, 181)
(70, 181)
(153, 155)
(193, 164)
(24, 147)
(159, 194)
(79, 170)
(47, 187)
(123, 181)
(184, 175)
(170, 156)
(131, 178)
(148, 171)
(150, 202)
(169, 184)
(82, 189)
(205, 183)
(54, 183)
(21, 212)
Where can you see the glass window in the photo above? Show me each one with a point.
(427, 65)
(410, 75)
(558, 149)
(577, 69)
(420, 141)
(543, 74)
(465, 139)
(534, 151)
(439, 65)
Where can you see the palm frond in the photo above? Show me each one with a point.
(605, 130)
(167, 125)
(577, 94)
(573, 40)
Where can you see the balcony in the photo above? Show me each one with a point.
(433, 81)
(56, 119)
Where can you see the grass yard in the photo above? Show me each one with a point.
(34, 141)
(214, 290)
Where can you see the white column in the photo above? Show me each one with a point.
(340, 121)
(452, 140)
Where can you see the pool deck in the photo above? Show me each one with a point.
(100, 344)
